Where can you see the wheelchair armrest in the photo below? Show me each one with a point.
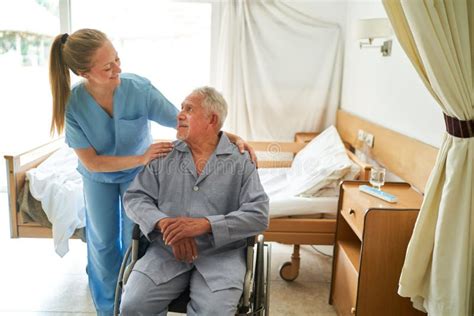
(251, 241)
(136, 232)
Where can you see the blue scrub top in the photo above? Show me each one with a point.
(127, 133)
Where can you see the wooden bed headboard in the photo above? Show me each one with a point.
(406, 157)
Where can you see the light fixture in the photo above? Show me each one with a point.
(370, 29)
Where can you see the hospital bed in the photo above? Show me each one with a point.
(314, 222)
(393, 150)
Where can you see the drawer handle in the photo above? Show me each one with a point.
(353, 310)
(351, 212)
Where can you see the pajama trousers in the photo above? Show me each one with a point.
(142, 296)
(108, 235)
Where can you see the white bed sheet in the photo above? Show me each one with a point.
(275, 183)
(58, 186)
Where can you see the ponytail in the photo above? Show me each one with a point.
(60, 81)
(75, 53)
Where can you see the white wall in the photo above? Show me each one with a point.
(386, 90)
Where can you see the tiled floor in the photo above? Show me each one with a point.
(36, 281)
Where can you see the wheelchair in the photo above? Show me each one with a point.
(255, 299)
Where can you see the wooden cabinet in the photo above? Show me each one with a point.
(371, 240)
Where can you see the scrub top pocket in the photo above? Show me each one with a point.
(133, 136)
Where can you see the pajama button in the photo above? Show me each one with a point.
(196, 188)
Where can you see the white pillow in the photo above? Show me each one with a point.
(332, 189)
(322, 162)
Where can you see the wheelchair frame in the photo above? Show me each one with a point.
(255, 299)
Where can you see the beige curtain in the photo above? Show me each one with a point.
(278, 66)
(438, 37)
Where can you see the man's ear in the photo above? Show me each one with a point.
(214, 119)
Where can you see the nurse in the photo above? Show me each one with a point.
(106, 120)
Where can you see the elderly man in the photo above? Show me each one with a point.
(197, 205)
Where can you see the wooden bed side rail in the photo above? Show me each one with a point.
(301, 231)
(16, 167)
(277, 147)
(293, 148)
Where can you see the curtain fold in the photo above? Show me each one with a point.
(438, 37)
(278, 67)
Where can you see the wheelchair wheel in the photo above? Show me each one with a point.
(134, 252)
(259, 279)
(268, 256)
(120, 284)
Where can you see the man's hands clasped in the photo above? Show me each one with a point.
(185, 250)
(179, 233)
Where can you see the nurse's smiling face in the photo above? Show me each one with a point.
(105, 69)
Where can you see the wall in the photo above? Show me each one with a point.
(386, 90)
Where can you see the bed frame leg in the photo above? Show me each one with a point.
(289, 270)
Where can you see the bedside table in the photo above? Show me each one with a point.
(371, 241)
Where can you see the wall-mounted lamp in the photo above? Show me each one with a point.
(370, 29)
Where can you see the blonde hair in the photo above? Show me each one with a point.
(73, 52)
(213, 102)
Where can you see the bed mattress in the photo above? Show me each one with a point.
(274, 181)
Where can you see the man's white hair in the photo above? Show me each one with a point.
(213, 102)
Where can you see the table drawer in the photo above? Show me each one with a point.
(354, 215)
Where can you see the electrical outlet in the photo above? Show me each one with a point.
(369, 140)
(365, 137)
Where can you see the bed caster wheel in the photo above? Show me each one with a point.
(287, 272)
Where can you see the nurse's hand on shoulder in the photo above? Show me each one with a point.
(243, 145)
(157, 150)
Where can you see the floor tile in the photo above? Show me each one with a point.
(300, 298)
(314, 266)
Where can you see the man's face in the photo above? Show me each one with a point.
(193, 120)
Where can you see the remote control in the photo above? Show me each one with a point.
(390, 198)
